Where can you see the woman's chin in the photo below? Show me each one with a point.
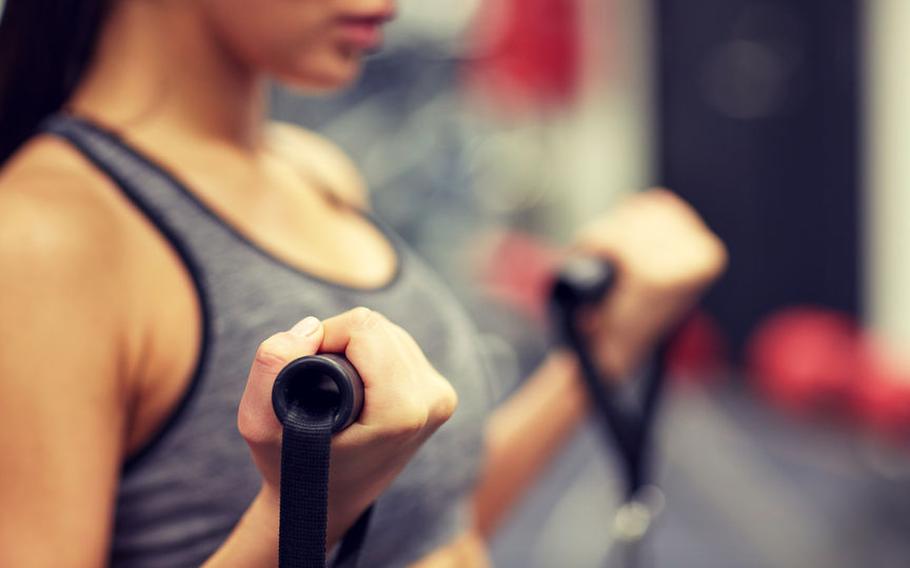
(326, 79)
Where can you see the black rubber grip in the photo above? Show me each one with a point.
(319, 383)
(582, 280)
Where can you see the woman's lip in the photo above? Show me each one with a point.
(364, 32)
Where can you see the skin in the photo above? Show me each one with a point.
(101, 324)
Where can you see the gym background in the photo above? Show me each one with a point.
(489, 129)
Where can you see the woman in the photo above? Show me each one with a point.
(154, 229)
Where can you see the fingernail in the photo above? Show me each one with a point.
(306, 327)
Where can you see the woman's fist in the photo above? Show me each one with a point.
(405, 401)
(665, 256)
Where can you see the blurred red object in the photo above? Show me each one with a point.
(699, 352)
(534, 53)
(518, 270)
(804, 358)
(881, 393)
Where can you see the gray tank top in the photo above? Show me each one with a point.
(181, 495)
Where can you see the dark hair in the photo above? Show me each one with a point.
(45, 46)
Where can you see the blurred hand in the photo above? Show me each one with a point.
(405, 400)
(666, 257)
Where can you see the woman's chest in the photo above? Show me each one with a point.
(202, 464)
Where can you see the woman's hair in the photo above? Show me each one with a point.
(45, 46)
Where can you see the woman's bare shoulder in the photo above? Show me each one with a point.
(55, 209)
(66, 266)
(321, 160)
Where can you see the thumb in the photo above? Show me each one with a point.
(256, 419)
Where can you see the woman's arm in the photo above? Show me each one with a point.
(254, 541)
(524, 434)
(62, 400)
(666, 258)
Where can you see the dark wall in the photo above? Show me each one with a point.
(758, 127)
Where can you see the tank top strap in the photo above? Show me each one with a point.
(148, 184)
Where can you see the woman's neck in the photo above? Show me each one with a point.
(159, 68)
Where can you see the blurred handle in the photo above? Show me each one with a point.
(581, 281)
(584, 281)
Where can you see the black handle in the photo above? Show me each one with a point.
(585, 281)
(316, 384)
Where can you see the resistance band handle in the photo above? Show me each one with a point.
(582, 281)
(317, 384)
(313, 398)
(585, 281)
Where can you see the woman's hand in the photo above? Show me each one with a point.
(665, 256)
(405, 400)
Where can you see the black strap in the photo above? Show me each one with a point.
(304, 489)
(305, 450)
(628, 421)
(349, 552)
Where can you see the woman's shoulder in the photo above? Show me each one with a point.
(73, 256)
(321, 160)
(55, 209)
